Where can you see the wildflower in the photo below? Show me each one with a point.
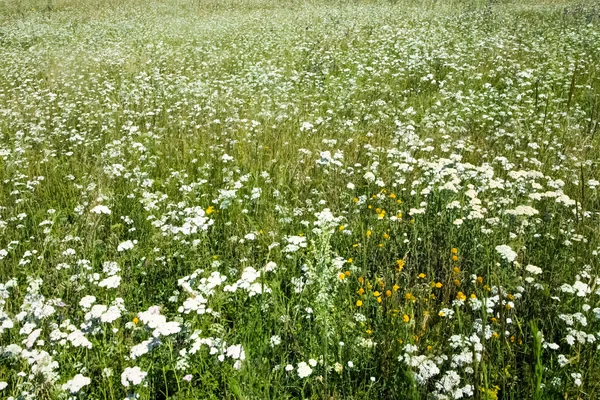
(359, 303)
(532, 269)
(506, 253)
(304, 370)
(405, 318)
(127, 245)
(100, 209)
(76, 384)
(133, 376)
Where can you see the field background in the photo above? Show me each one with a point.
(307, 199)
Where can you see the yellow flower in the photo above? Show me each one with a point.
(341, 276)
(456, 282)
(456, 270)
(361, 291)
(454, 258)
(369, 331)
(342, 227)
(379, 300)
(376, 294)
(135, 320)
(461, 296)
(386, 236)
(381, 215)
(350, 260)
(422, 275)
(495, 335)
(479, 279)
(439, 285)
(358, 303)
(454, 250)
(392, 196)
(396, 287)
(473, 296)
(347, 273)
(388, 293)
(355, 245)
(210, 210)
(361, 280)
(355, 199)
(369, 233)
(406, 318)
(441, 314)
(399, 265)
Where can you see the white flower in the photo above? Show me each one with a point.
(236, 352)
(312, 362)
(275, 340)
(100, 209)
(133, 376)
(87, 302)
(75, 384)
(270, 266)
(532, 269)
(304, 370)
(127, 245)
(582, 288)
(506, 253)
(3, 385)
(111, 282)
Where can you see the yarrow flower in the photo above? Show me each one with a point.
(76, 384)
(506, 253)
(304, 370)
(132, 376)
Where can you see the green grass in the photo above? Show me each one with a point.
(377, 153)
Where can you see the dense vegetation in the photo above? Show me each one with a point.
(299, 200)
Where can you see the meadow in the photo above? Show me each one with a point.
(313, 199)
